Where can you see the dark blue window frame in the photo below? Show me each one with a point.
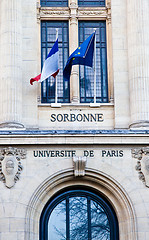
(48, 37)
(86, 73)
(91, 3)
(78, 192)
(54, 3)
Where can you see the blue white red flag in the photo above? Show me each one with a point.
(50, 66)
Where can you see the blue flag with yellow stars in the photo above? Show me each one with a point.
(83, 55)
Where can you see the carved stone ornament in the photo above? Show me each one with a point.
(142, 166)
(50, 13)
(79, 164)
(98, 13)
(10, 165)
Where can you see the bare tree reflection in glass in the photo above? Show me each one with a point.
(87, 220)
(57, 222)
(78, 218)
(100, 227)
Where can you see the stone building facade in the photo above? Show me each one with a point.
(88, 149)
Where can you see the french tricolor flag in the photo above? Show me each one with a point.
(50, 66)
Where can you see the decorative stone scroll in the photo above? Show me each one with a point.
(10, 165)
(79, 164)
(142, 166)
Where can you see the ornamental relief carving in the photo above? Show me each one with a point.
(92, 13)
(65, 12)
(142, 156)
(10, 165)
(46, 12)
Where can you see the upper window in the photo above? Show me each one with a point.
(48, 37)
(91, 3)
(87, 73)
(54, 3)
(86, 85)
(78, 215)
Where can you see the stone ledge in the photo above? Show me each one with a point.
(121, 132)
(74, 137)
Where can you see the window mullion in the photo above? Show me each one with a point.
(67, 220)
(89, 217)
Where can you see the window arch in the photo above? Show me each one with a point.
(78, 214)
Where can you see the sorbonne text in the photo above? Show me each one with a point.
(98, 117)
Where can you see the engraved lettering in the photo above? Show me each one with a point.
(53, 117)
(86, 118)
(77, 117)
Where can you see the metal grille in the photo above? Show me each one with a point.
(54, 3)
(91, 3)
(86, 73)
(48, 37)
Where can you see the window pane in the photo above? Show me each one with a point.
(57, 222)
(78, 218)
(54, 3)
(78, 215)
(100, 228)
(86, 28)
(91, 3)
(48, 37)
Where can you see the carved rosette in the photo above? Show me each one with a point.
(142, 156)
(79, 164)
(10, 165)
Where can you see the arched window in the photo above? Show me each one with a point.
(78, 214)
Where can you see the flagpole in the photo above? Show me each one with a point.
(95, 67)
(56, 76)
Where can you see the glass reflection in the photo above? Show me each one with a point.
(86, 219)
(78, 218)
(100, 228)
(57, 223)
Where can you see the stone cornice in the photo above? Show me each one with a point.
(99, 137)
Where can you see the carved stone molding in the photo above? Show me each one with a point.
(142, 166)
(10, 165)
(93, 13)
(79, 164)
(50, 13)
(73, 10)
(109, 12)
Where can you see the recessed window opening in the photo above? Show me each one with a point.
(78, 215)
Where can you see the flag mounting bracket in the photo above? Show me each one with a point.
(56, 105)
(94, 105)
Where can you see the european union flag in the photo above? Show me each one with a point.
(83, 55)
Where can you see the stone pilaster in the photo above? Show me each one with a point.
(109, 53)
(11, 63)
(138, 58)
(73, 43)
